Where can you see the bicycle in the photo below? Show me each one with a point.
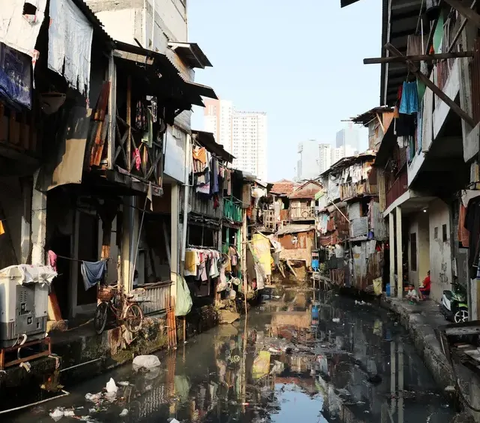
(111, 302)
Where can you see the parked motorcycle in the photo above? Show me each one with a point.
(454, 306)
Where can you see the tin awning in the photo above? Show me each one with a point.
(191, 54)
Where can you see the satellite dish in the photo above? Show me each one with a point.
(52, 101)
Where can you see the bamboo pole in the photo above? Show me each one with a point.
(244, 259)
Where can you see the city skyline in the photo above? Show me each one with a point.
(316, 157)
(244, 134)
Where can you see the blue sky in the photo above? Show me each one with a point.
(301, 62)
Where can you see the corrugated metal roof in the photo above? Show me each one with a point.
(366, 117)
(283, 187)
(348, 161)
(308, 190)
(191, 53)
(207, 139)
(295, 229)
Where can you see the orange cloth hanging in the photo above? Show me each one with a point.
(2, 229)
(200, 154)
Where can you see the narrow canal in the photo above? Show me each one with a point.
(354, 364)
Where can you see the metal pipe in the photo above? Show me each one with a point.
(186, 192)
(64, 394)
(81, 364)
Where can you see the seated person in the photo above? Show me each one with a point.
(426, 284)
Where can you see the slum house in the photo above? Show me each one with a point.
(145, 110)
(54, 111)
(209, 180)
(350, 223)
(280, 191)
(123, 156)
(164, 30)
(102, 166)
(437, 143)
(296, 237)
(433, 219)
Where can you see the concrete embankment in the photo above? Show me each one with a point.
(422, 320)
(81, 354)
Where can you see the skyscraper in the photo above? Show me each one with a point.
(243, 134)
(348, 136)
(308, 161)
(325, 157)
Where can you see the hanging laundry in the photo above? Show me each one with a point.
(137, 158)
(147, 137)
(215, 188)
(229, 182)
(409, 102)
(52, 260)
(200, 159)
(191, 262)
(92, 272)
(406, 125)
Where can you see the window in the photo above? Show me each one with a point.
(435, 233)
(413, 252)
(444, 233)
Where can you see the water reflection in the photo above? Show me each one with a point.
(349, 363)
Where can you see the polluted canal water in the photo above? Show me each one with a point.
(352, 364)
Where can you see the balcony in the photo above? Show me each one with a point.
(399, 187)
(302, 213)
(232, 210)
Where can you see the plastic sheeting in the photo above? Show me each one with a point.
(184, 299)
(20, 31)
(70, 44)
(261, 248)
(27, 273)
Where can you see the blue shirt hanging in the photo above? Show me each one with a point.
(409, 102)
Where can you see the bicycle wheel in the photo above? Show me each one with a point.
(101, 316)
(133, 318)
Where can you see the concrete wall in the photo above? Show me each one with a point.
(152, 22)
(440, 251)
(419, 225)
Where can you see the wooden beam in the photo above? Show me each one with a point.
(437, 91)
(465, 10)
(418, 58)
(462, 26)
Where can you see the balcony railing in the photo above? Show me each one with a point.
(399, 187)
(300, 213)
(156, 297)
(232, 210)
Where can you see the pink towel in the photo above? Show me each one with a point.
(52, 259)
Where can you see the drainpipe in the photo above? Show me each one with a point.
(39, 220)
(145, 24)
(186, 192)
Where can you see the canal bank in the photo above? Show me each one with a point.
(81, 354)
(353, 364)
(422, 321)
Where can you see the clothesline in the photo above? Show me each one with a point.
(201, 247)
(78, 260)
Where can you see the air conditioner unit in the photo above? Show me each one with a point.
(24, 303)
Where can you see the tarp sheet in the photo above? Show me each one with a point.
(15, 76)
(261, 248)
(70, 39)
